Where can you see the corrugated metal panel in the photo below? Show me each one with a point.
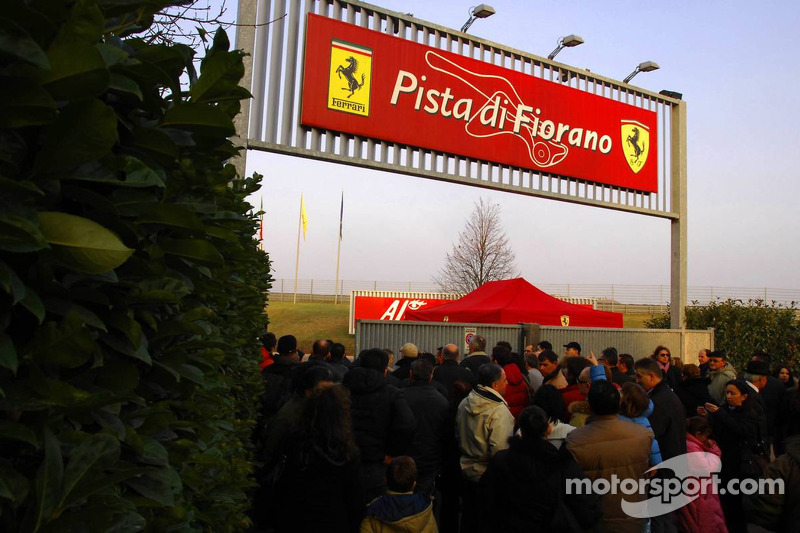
(427, 335)
(430, 335)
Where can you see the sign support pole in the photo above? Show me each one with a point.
(677, 313)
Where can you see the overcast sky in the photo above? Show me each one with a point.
(736, 64)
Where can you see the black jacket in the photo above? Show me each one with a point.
(734, 428)
(693, 393)
(523, 484)
(619, 378)
(668, 421)
(450, 371)
(473, 362)
(773, 394)
(382, 421)
(402, 368)
(430, 409)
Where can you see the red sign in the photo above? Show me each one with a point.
(375, 85)
(379, 308)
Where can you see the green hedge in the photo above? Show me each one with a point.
(741, 328)
(131, 288)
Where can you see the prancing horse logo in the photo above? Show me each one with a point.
(349, 73)
(635, 144)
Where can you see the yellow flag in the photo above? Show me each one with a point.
(303, 216)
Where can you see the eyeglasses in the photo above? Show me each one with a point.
(663, 355)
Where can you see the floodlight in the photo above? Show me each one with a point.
(671, 94)
(647, 66)
(565, 42)
(478, 12)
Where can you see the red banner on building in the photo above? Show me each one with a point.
(389, 308)
(375, 85)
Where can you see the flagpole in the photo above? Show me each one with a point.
(339, 251)
(297, 260)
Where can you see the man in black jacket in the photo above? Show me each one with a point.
(477, 355)
(450, 371)
(667, 420)
(430, 409)
(382, 421)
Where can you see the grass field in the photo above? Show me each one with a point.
(311, 321)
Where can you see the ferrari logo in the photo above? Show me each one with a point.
(635, 144)
(349, 78)
(565, 320)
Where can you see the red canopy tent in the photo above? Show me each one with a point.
(513, 301)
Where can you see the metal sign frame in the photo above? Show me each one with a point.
(273, 31)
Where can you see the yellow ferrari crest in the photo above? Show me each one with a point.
(565, 320)
(349, 78)
(635, 144)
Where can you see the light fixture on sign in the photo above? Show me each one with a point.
(478, 12)
(647, 66)
(565, 42)
(672, 94)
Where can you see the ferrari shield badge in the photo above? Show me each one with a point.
(565, 320)
(635, 144)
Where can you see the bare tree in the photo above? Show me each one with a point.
(482, 253)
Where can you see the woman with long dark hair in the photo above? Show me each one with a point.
(738, 429)
(319, 488)
(672, 375)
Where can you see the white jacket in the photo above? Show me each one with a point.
(483, 426)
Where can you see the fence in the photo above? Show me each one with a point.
(430, 335)
(620, 298)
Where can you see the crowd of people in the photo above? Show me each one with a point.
(487, 442)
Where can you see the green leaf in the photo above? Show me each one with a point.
(78, 71)
(84, 24)
(199, 118)
(15, 431)
(169, 215)
(68, 343)
(10, 283)
(61, 307)
(19, 486)
(155, 142)
(154, 453)
(34, 304)
(16, 42)
(121, 321)
(138, 174)
(48, 480)
(98, 451)
(220, 72)
(124, 84)
(85, 131)
(195, 249)
(83, 244)
(156, 485)
(19, 234)
(123, 347)
(25, 105)
(8, 354)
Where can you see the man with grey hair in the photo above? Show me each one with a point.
(477, 354)
(483, 426)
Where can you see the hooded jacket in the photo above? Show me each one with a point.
(516, 396)
(720, 378)
(400, 512)
(382, 420)
(655, 451)
(705, 512)
(483, 426)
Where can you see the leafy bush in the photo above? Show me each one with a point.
(131, 288)
(742, 328)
